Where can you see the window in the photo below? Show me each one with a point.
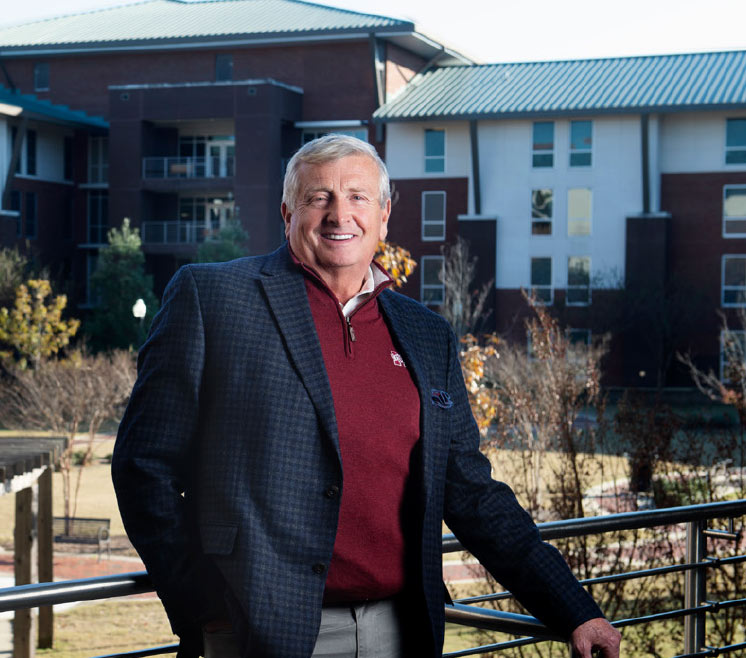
(223, 67)
(732, 355)
(579, 209)
(541, 212)
(13, 138)
(41, 76)
(541, 280)
(435, 151)
(31, 152)
(432, 290)
(734, 281)
(30, 214)
(579, 336)
(734, 210)
(98, 211)
(98, 160)
(578, 281)
(433, 215)
(67, 158)
(359, 133)
(543, 144)
(735, 141)
(15, 205)
(581, 143)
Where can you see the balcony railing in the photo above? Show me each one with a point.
(695, 568)
(177, 167)
(175, 232)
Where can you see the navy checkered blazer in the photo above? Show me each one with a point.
(229, 445)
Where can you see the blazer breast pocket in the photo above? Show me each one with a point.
(218, 538)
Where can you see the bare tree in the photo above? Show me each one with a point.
(68, 396)
(463, 305)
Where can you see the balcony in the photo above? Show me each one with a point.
(174, 233)
(174, 167)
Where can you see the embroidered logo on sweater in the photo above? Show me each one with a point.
(441, 399)
(397, 359)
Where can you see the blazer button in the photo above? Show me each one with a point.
(332, 491)
(319, 568)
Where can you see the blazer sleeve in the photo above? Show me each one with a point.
(488, 520)
(154, 453)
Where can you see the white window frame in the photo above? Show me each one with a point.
(434, 158)
(727, 234)
(589, 219)
(587, 302)
(430, 222)
(724, 288)
(550, 151)
(733, 149)
(580, 151)
(586, 333)
(542, 220)
(533, 287)
(741, 334)
(431, 286)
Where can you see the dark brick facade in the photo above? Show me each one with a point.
(146, 95)
(695, 202)
(405, 225)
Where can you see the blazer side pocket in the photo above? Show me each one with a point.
(218, 538)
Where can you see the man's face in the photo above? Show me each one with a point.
(338, 220)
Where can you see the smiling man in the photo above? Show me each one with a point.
(298, 433)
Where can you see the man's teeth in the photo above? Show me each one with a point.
(339, 236)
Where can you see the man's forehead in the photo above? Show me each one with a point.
(351, 171)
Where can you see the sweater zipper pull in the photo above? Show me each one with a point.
(350, 329)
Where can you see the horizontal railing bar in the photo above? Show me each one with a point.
(69, 591)
(498, 620)
(143, 653)
(626, 521)
(488, 648)
(627, 575)
(714, 651)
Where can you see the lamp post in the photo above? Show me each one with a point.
(139, 309)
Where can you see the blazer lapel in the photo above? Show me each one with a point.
(404, 335)
(285, 289)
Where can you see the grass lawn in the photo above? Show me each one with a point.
(95, 629)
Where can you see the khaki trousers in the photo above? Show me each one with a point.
(368, 630)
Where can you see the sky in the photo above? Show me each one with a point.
(525, 30)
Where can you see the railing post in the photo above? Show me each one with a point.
(695, 586)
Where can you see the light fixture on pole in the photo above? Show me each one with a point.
(139, 309)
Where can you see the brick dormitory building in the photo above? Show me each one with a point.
(588, 182)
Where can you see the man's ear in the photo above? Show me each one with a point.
(286, 215)
(385, 221)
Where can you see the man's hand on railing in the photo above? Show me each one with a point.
(596, 637)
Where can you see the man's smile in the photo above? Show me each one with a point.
(337, 236)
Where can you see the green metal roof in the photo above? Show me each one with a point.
(629, 84)
(43, 110)
(158, 20)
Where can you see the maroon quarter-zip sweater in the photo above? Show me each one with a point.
(378, 420)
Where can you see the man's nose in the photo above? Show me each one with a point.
(338, 210)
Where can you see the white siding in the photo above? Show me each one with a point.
(405, 150)
(508, 178)
(693, 142)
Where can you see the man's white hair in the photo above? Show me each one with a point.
(328, 149)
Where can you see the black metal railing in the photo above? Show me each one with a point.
(467, 613)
